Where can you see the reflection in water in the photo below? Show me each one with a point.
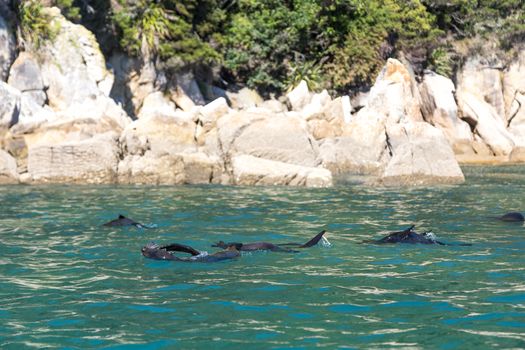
(68, 282)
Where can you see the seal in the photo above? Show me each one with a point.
(512, 217)
(123, 221)
(250, 247)
(154, 251)
(411, 237)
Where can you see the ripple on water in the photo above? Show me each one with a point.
(67, 282)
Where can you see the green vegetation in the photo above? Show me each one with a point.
(271, 45)
(35, 25)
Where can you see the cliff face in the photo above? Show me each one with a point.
(67, 115)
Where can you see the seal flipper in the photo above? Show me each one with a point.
(314, 240)
(176, 247)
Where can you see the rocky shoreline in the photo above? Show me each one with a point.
(69, 116)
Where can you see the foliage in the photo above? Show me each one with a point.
(35, 25)
(69, 10)
(167, 29)
(440, 62)
(271, 45)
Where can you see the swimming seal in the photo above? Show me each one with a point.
(123, 221)
(411, 237)
(512, 217)
(250, 247)
(154, 251)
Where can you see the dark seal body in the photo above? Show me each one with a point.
(123, 221)
(409, 236)
(512, 217)
(154, 251)
(250, 247)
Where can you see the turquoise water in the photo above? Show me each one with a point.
(67, 282)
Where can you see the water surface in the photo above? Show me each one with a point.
(67, 282)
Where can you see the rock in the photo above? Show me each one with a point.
(274, 106)
(92, 160)
(395, 94)
(72, 72)
(275, 137)
(151, 169)
(7, 47)
(169, 169)
(421, 155)
(133, 82)
(8, 169)
(488, 125)
(439, 109)
(482, 79)
(199, 168)
(157, 104)
(299, 96)
(160, 134)
(513, 88)
(10, 105)
(25, 74)
(514, 95)
(186, 93)
(209, 114)
(316, 104)
(249, 170)
(362, 149)
(330, 121)
(245, 98)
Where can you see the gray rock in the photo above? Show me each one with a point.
(420, 155)
(488, 124)
(481, 78)
(440, 109)
(245, 98)
(275, 137)
(395, 95)
(8, 169)
(249, 170)
(92, 160)
(10, 105)
(7, 47)
(170, 169)
(299, 97)
(186, 93)
(25, 74)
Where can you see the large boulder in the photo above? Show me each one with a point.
(249, 170)
(8, 169)
(331, 119)
(76, 75)
(207, 117)
(487, 124)
(9, 106)
(362, 149)
(420, 155)
(395, 94)
(481, 77)
(159, 133)
(244, 98)
(92, 160)
(134, 81)
(185, 92)
(170, 169)
(7, 46)
(299, 97)
(440, 109)
(280, 137)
